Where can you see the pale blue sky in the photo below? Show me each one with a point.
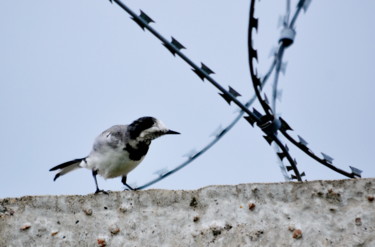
(70, 69)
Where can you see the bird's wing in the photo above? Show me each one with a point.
(113, 137)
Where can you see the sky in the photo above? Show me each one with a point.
(71, 69)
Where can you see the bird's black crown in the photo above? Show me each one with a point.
(139, 125)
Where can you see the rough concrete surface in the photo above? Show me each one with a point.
(318, 213)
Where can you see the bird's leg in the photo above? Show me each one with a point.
(94, 173)
(123, 180)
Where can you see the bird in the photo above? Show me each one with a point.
(118, 150)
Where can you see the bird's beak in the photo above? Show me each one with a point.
(172, 132)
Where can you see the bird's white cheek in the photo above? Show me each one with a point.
(146, 133)
(143, 134)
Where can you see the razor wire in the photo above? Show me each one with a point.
(204, 72)
(268, 123)
(275, 93)
(163, 173)
(287, 37)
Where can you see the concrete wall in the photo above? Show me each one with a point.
(319, 213)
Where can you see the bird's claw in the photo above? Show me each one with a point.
(102, 191)
(130, 189)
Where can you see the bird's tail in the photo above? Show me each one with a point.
(66, 167)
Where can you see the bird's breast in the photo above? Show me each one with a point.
(114, 162)
(137, 152)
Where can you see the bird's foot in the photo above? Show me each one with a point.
(130, 189)
(126, 189)
(102, 191)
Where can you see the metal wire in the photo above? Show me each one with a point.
(268, 123)
(286, 41)
(222, 133)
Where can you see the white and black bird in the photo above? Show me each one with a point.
(118, 150)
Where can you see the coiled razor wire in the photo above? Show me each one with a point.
(268, 123)
(286, 39)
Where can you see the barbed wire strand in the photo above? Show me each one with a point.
(269, 120)
(302, 144)
(222, 133)
(286, 40)
(275, 92)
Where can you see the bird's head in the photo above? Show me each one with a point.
(148, 129)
